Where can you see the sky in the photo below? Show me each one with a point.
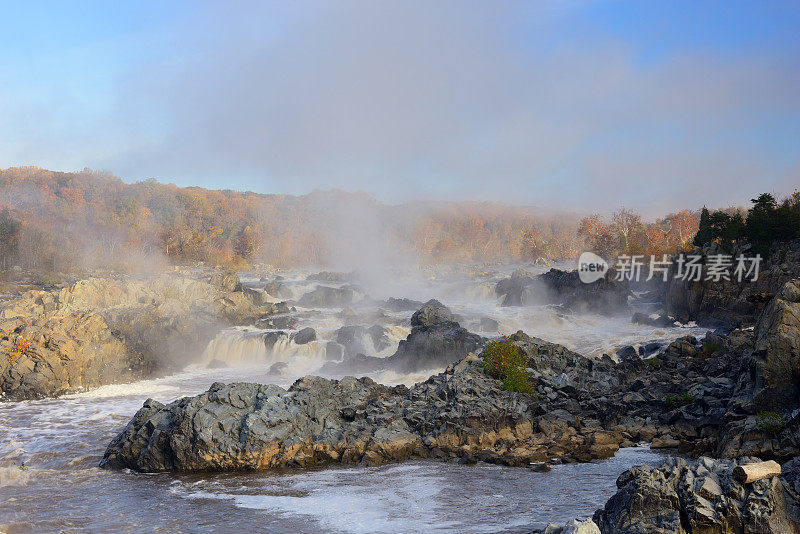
(579, 105)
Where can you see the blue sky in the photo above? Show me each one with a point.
(583, 105)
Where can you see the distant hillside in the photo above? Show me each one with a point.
(57, 220)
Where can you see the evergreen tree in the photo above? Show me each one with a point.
(703, 235)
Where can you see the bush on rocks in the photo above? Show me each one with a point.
(503, 360)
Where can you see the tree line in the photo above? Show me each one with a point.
(766, 222)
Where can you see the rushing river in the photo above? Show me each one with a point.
(62, 440)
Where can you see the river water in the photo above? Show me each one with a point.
(62, 440)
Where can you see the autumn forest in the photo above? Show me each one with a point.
(66, 221)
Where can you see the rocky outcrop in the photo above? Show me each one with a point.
(327, 297)
(607, 295)
(515, 288)
(434, 342)
(49, 355)
(564, 288)
(304, 335)
(319, 421)
(699, 496)
(433, 346)
(775, 359)
(103, 330)
(731, 302)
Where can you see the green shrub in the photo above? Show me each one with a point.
(503, 360)
(674, 402)
(770, 422)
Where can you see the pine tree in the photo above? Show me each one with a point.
(703, 235)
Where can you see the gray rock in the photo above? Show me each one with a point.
(306, 335)
(431, 313)
(775, 359)
(681, 496)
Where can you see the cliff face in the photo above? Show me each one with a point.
(729, 302)
(104, 330)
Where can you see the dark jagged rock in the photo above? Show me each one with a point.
(433, 346)
(461, 413)
(565, 288)
(327, 297)
(514, 288)
(432, 312)
(775, 359)
(318, 421)
(607, 295)
(699, 496)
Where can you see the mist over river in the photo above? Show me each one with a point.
(62, 440)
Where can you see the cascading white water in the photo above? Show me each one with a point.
(248, 346)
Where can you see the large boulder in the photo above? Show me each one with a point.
(701, 496)
(432, 312)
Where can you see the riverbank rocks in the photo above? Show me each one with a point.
(698, 496)
(104, 330)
